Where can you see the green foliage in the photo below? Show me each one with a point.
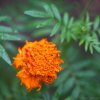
(4, 18)
(5, 35)
(68, 28)
(78, 38)
(4, 55)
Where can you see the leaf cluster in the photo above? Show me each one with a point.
(82, 30)
(5, 35)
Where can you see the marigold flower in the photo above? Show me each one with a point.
(38, 62)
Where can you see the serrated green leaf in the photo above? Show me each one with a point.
(5, 29)
(4, 55)
(65, 19)
(5, 36)
(56, 12)
(35, 13)
(55, 29)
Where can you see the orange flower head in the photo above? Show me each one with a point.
(38, 62)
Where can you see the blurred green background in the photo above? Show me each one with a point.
(74, 25)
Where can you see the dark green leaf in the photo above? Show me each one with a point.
(55, 29)
(86, 45)
(96, 23)
(81, 42)
(66, 19)
(4, 55)
(75, 93)
(5, 90)
(4, 18)
(48, 9)
(68, 84)
(62, 77)
(46, 96)
(91, 48)
(86, 74)
(69, 36)
(87, 18)
(70, 22)
(5, 36)
(98, 31)
(80, 65)
(42, 23)
(5, 29)
(58, 92)
(63, 34)
(36, 14)
(56, 12)
(97, 48)
(41, 32)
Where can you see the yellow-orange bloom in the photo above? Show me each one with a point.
(38, 62)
